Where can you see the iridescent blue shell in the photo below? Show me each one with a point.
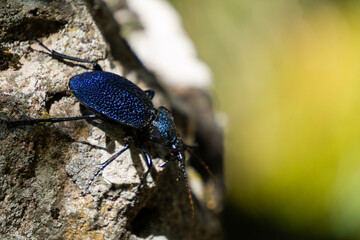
(115, 97)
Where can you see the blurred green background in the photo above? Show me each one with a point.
(287, 74)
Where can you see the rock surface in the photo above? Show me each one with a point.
(44, 168)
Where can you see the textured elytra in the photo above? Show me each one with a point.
(115, 97)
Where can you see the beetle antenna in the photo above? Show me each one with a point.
(188, 189)
(205, 166)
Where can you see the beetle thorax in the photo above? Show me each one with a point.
(163, 128)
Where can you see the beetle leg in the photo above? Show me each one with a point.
(164, 163)
(52, 120)
(149, 165)
(107, 162)
(150, 93)
(60, 56)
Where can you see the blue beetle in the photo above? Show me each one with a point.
(114, 98)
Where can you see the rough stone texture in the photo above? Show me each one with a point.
(44, 168)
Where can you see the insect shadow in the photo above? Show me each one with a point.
(116, 100)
